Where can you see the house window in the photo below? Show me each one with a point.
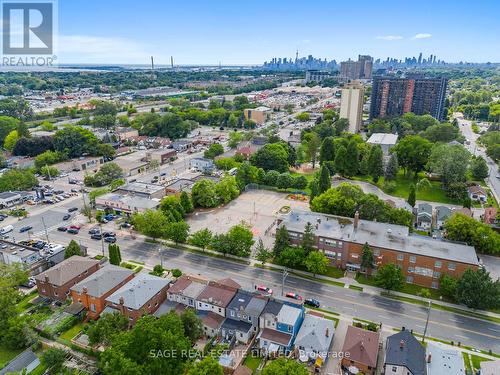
(331, 243)
(220, 310)
(451, 266)
(413, 259)
(410, 269)
(354, 256)
(376, 252)
(409, 279)
(401, 257)
(232, 313)
(437, 264)
(92, 307)
(434, 285)
(436, 274)
(330, 254)
(339, 244)
(289, 328)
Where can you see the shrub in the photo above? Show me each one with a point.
(176, 272)
(389, 186)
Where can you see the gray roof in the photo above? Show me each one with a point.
(237, 325)
(67, 270)
(289, 315)
(273, 307)
(256, 305)
(443, 212)
(403, 349)
(138, 291)
(19, 363)
(490, 367)
(103, 280)
(424, 208)
(240, 300)
(383, 139)
(383, 235)
(141, 187)
(9, 194)
(130, 200)
(315, 334)
(444, 359)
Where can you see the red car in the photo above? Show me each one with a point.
(264, 289)
(77, 227)
(294, 296)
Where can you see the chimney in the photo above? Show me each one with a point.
(429, 358)
(356, 220)
(121, 301)
(401, 344)
(327, 333)
(47, 279)
(84, 290)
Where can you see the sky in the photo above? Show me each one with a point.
(251, 32)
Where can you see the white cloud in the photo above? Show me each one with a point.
(389, 37)
(422, 36)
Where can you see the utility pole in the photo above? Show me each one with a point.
(45, 227)
(283, 279)
(102, 238)
(161, 256)
(427, 320)
(85, 206)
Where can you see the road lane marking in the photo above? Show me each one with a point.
(493, 329)
(384, 316)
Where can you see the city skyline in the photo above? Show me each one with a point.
(235, 34)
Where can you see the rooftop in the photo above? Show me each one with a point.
(138, 291)
(188, 286)
(238, 325)
(278, 337)
(210, 319)
(445, 360)
(289, 315)
(182, 184)
(315, 334)
(68, 269)
(217, 294)
(362, 344)
(141, 187)
(130, 201)
(383, 235)
(383, 139)
(403, 349)
(103, 280)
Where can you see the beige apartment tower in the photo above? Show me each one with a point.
(351, 105)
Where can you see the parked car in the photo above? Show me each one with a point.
(73, 230)
(264, 289)
(74, 190)
(66, 217)
(109, 234)
(72, 209)
(110, 239)
(109, 217)
(94, 230)
(125, 225)
(293, 295)
(25, 229)
(312, 302)
(74, 226)
(62, 229)
(96, 236)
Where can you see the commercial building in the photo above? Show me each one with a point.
(422, 259)
(131, 164)
(142, 189)
(9, 199)
(361, 69)
(162, 156)
(202, 164)
(362, 345)
(55, 283)
(93, 291)
(127, 204)
(395, 96)
(179, 185)
(385, 140)
(317, 76)
(351, 105)
(259, 115)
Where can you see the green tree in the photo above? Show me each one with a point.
(479, 168)
(262, 254)
(292, 257)
(412, 196)
(477, 290)
(327, 150)
(214, 150)
(204, 194)
(367, 259)
(282, 241)
(207, 366)
(413, 152)
(151, 223)
(308, 238)
(72, 249)
(201, 238)
(115, 256)
(53, 359)
(273, 156)
(303, 117)
(48, 171)
(340, 162)
(178, 232)
(193, 328)
(241, 239)
(108, 326)
(392, 168)
(389, 277)
(285, 366)
(352, 158)
(324, 182)
(316, 262)
(375, 163)
(300, 182)
(450, 162)
(11, 140)
(448, 286)
(313, 146)
(227, 189)
(186, 202)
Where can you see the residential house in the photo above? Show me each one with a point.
(477, 193)
(26, 361)
(186, 290)
(246, 151)
(490, 215)
(125, 133)
(93, 291)
(141, 295)
(363, 346)
(443, 213)
(424, 216)
(216, 296)
(444, 359)
(182, 145)
(246, 308)
(202, 164)
(404, 355)
(211, 322)
(279, 324)
(55, 283)
(315, 337)
(422, 259)
(490, 367)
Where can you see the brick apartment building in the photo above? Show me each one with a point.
(141, 295)
(422, 259)
(93, 291)
(55, 283)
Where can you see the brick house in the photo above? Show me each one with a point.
(55, 283)
(186, 290)
(93, 291)
(141, 295)
(216, 296)
(363, 347)
(422, 259)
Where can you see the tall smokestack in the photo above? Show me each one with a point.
(172, 61)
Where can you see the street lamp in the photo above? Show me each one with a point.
(283, 279)
(427, 320)
(161, 256)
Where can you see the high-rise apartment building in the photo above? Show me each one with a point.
(351, 105)
(393, 96)
(361, 69)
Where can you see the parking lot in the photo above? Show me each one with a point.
(256, 207)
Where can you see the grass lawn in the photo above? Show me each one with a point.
(466, 361)
(72, 332)
(355, 287)
(6, 355)
(402, 188)
(252, 362)
(476, 361)
(334, 272)
(25, 303)
(39, 370)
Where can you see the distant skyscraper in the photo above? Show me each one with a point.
(361, 69)
(351, 105)
(392, 96)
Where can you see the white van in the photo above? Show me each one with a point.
(7, 229)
